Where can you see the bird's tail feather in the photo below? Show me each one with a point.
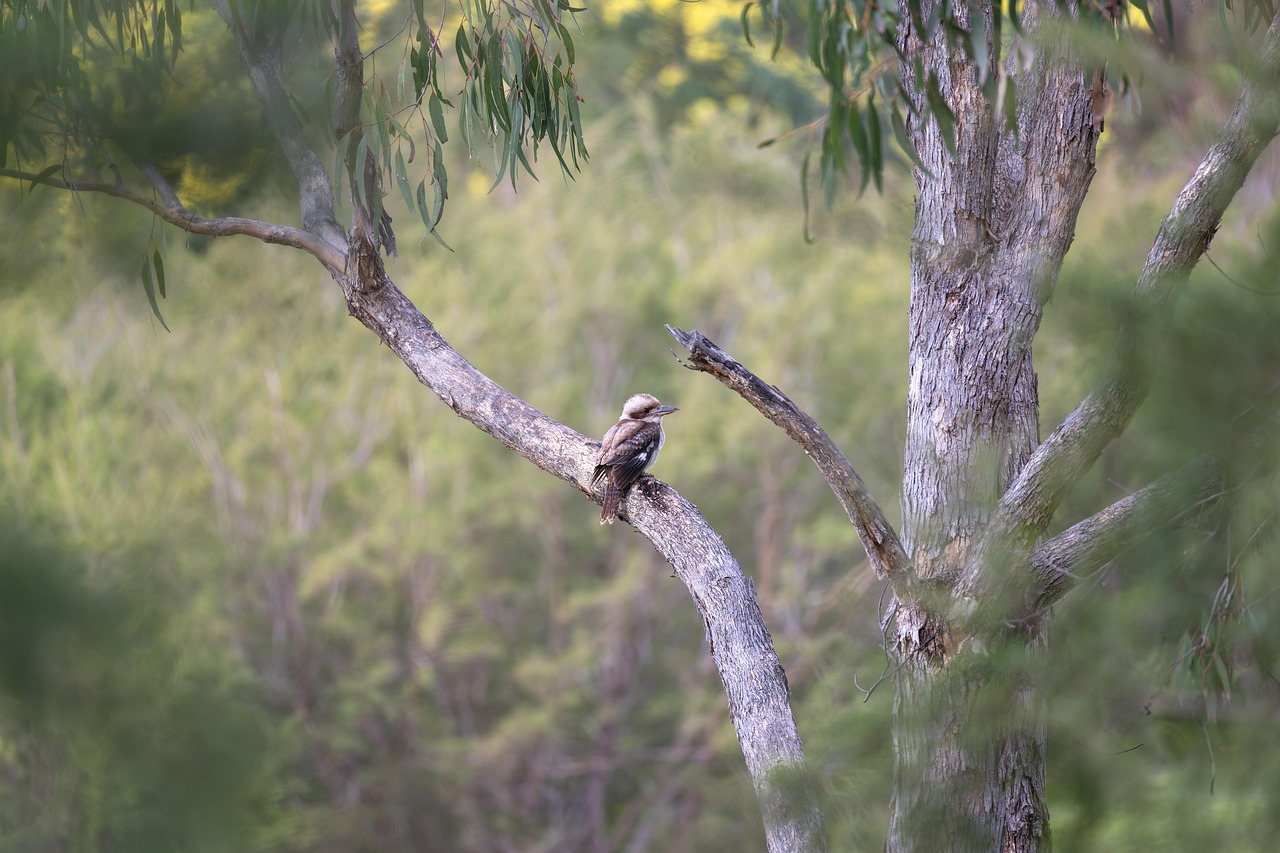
(612, 501)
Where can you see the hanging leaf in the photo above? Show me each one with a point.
(804, 193)
(874, 151)
(435, 108)
(158, 262)
(149, 286)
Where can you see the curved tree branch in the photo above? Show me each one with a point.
(1184, 236)
(1089, 545)
(878, 537)
(175, 214)
(739, 641)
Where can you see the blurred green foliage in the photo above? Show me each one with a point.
(260, 591)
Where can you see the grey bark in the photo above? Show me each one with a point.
(885, 552)
(992, 227)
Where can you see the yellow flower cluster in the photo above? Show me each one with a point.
(699, 20)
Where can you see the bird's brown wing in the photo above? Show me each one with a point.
(628, 449)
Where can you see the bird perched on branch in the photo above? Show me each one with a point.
(629, 448)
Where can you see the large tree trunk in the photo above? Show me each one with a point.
(969, 733)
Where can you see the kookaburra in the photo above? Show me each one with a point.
(628, 449)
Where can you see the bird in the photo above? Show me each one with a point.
(629, 449)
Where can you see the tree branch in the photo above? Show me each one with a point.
(739, 641)
(175, 214)
(878, 537)
(1184, 236)
(345, 114)
(1091, 544)
(315, 192)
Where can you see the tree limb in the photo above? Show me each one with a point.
(1184, 236)
(878, 537)
(739, 641)
(175, 214)
(315, 192)
(1089, 545)
(345, 114)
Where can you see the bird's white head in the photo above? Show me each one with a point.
(645, 407)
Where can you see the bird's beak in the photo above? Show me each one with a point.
(666, 410)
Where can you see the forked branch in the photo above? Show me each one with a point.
(878, 537)
(1183, 238)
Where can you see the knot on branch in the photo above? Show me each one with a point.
(365, 272)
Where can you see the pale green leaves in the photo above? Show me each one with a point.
(869, 55)
(507, 84)
(153, 281)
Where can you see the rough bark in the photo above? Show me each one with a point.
(993, 223)
(1183, 238)
(992, 227)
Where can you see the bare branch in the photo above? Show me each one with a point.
(740, 644)
(1091, 544)
(878, 537)
(176, 214)
(315, 192)
(1183, 238)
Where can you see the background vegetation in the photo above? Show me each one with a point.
(259, 590)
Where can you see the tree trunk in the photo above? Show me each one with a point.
(993, 221)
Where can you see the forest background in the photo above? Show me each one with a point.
(261, 591)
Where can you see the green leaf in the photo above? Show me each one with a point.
(463, 47)
(941, 114)
(1009, 105)
(1016, 20)
(874, 153)
(149, 287)
(44, 175)
(402, 181)
(746, 27)
(422, 204)
(158, 262)
(437, 117)
(435, 235)
(568, 43)
(858, 135)
(804, 193)
(357, 171)
(341, 151)
(978, 38)
(904, 140)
